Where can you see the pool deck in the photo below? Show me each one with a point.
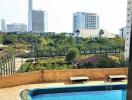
(13, 93)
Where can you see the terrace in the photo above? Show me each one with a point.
(13, 85)
(15, 91)
(58, 65)
(41, 71)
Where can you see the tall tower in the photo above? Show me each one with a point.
(39, 19)
(30, 16)
(3, 25)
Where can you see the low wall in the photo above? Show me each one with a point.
(19, 79)
(58, 76)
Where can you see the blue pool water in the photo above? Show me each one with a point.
(94, 95)
(117, 92)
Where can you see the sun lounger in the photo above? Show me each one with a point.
(117, 77)
(79, 79)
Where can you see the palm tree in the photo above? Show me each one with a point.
(101, 32)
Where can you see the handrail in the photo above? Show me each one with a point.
(108, 85)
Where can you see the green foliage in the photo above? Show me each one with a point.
(101, 61)
(63, 44)
(44, 63)
(58, 63)
(118, 43)
(60, 44)
(88, 65)
(72, 55)
(10, 38)
(1, 39)
(9, 49)
(105, 62)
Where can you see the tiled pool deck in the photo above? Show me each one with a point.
(13, 93)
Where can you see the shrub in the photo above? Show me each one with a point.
(105, 62)
(72, 55)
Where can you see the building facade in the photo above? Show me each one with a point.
(16, 27)
(82, 20)
(30, 16)
(92, 33)
(122, 33)
(39, 21)
(128, 32)
(3, 26)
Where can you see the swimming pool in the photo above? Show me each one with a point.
(118, 92)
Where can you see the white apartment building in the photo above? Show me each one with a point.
(123, 32)
(16, 27)
(3, 25)
(128, 32)
(83, 20)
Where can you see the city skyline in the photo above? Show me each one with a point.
(112, 18)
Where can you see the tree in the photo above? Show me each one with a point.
(104, 62)
(1, 38)
(118, 43)
(101, 32)
(10, 39)
(72, 55)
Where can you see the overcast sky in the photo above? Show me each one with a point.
(112, 12)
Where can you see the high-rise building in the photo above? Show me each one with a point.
(16, 27)
(39, 21)
(128, 32)
(83, 20)
(30, 16)
(3, 25)
(122, 33)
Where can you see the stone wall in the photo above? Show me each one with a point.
(58, 76)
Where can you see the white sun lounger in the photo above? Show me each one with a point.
(117, 77)
(79, 79)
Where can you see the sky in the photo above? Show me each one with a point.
(60, 12)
